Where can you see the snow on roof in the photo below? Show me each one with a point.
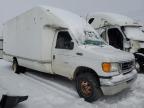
(114, 19)
(63, 17)
(60, 18)
(75, 23)
(67, 17)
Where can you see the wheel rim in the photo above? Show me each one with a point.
(86, 88)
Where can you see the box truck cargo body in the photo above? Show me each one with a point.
(121, 32)
(30, 36)
(59, 42)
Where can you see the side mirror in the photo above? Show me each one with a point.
(71, 45)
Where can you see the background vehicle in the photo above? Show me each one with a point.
(59, 42)
(121, 32)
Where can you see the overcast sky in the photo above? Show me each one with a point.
(131, 8)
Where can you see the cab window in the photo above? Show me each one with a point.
(63, 40)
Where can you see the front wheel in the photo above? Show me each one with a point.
(87, 87)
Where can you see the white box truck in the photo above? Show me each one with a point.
(59, 42)
(121, 32)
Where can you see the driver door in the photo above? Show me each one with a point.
(62, 54)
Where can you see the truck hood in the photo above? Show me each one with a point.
(108, 53)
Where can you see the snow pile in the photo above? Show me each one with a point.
(45, 91)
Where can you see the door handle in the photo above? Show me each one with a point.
(54, 56)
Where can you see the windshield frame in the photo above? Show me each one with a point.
(93, 35)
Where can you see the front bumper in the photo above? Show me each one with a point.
(118, 83)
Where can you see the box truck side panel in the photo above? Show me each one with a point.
(28, 37)
(9, 36)
(23, 37)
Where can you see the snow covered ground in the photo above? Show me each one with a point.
(47, 91)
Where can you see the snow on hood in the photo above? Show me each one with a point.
(134, 33)
(108, 52)
(111, 19)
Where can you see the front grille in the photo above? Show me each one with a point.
(127, 66)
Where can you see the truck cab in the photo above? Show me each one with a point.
(120, 32)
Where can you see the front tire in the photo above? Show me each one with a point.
(88, 87)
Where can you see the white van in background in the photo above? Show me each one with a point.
(120, 32)
(59, 42)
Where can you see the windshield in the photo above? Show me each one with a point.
(91, 38)
(134, 33)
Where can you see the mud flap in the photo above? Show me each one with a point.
(11, 101)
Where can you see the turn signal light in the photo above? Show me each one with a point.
(106, 67)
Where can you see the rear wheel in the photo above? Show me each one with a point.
(16, 68)
(87, 87)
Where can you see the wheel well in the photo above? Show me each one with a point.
(82, 69)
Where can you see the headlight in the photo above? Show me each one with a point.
(110, 67)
